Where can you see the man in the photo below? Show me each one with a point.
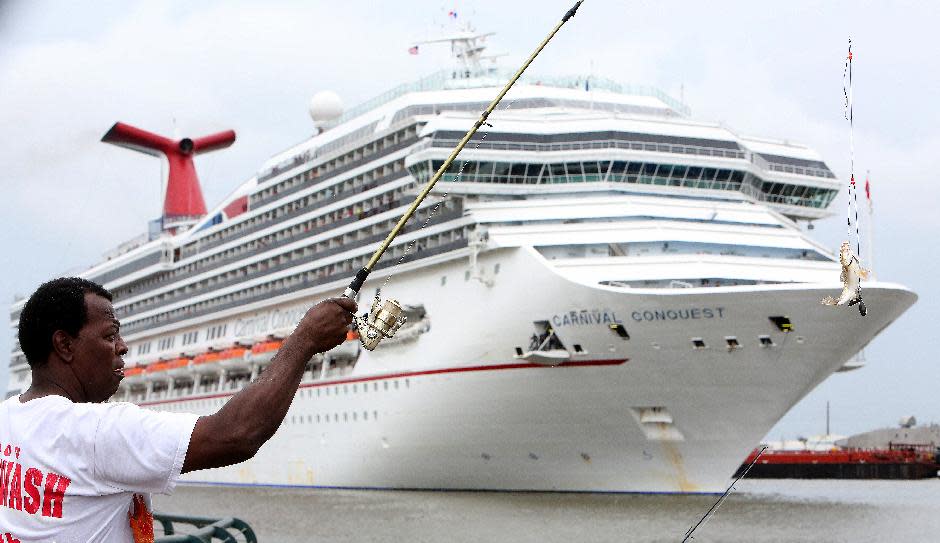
(74, 469)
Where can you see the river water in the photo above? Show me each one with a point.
(758, 511)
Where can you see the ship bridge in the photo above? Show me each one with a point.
(527, 151)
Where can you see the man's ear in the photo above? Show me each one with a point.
(62, 345)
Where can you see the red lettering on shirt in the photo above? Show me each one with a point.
(16, 494)
(6, 467)
(54, 495)
(10, 538)
(31, 485)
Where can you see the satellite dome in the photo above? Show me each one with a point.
(325, 107)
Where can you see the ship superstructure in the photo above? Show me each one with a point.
(603, 294)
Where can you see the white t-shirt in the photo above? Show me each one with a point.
(68, 471)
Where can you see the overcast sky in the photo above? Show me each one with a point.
(68, 71)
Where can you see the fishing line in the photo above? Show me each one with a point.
(437, 206)
(714, 508)
(852, 204)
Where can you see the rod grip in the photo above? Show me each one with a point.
(357, 282)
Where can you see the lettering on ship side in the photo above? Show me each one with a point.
(693, 313)
(586, 317)
(268, 321)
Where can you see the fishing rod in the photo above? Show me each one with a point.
(385, 318)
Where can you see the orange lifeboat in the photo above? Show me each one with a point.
(265, 350)
(178, 366)
(206, 362)
(233, 357)
(133, 374)
(155, 367)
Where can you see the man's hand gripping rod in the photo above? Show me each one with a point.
(385, 318)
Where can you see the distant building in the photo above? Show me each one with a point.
(907, 433)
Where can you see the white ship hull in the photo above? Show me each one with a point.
(453, 409)
(521, 368)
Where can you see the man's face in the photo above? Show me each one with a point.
(97, 351)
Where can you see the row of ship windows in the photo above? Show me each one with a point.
(167, 343)
(379, 229)
(297, 280)
(377, 204)
(365, 151)
(653, 248)
(597, 141)
(346, 416)
(394, 384)
(640, 142)
(354, 184)
(732, 343)
(530, 103)
(628, 172)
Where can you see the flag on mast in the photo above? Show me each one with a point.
(871, 206)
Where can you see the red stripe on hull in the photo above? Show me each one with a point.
(493, 367)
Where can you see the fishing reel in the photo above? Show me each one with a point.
(382, 321)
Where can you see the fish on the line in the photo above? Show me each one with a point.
(851, 277)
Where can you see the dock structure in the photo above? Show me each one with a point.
(897, 462)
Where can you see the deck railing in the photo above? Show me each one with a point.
(202, 530)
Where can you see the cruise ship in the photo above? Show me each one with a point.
(603, 294)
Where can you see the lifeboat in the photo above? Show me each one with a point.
(178, 367)
(134, 375)
(234, 358)
(206, 362)
(550, 357)
(264, 351)
(347, 350)
(156, 371)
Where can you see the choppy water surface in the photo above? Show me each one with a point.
(758, 511)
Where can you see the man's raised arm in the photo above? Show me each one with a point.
(236, 432)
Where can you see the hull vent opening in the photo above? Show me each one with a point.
(698, 344)
(782, 323)
(620, 331)
(657, 423)
(765, 341)
(733, 343)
